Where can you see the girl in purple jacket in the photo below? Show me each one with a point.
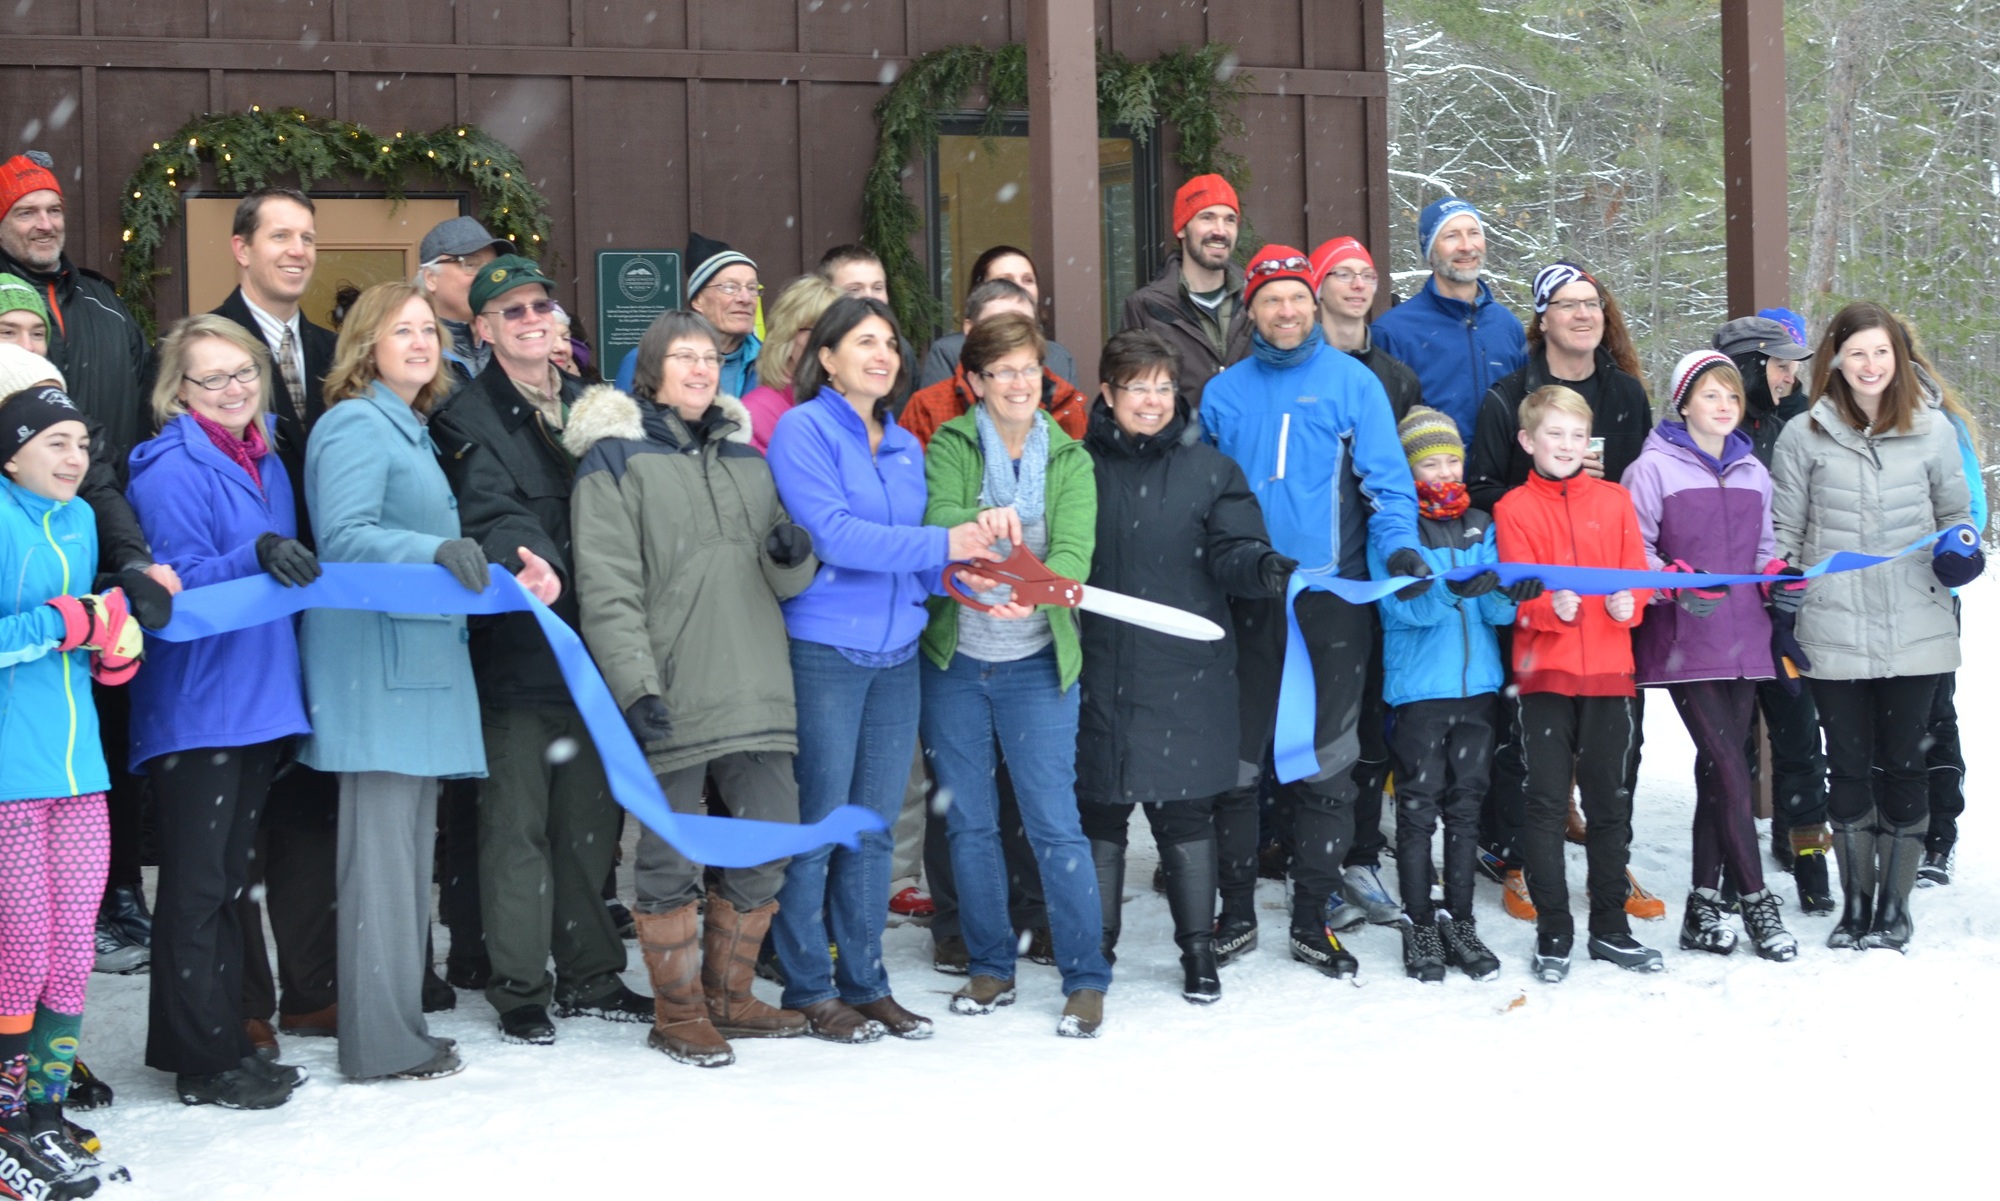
(1704, 505)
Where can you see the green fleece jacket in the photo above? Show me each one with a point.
(954, 468)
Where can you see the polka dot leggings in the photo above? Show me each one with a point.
(53, 856)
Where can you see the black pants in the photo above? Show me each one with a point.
(294, 861)
(1026, 907)
(1717, 714)
(1875, 746)
(1317, 814)
(210, 801)
(1371, 771)
(1173, 822)
(1946, 764)
(1502, 816)
(1443, 752)
(1798, 765)
(458, 885)
(125, 802)
(1591, 740)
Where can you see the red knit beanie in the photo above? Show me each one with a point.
(1199, 193)
(1274, 263)
(21, 175)
(1338, 250)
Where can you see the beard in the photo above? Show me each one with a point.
(1456, 274)
(1209, 255)
(41, 256)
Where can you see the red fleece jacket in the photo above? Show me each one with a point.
(1585, 522)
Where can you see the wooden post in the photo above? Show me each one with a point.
(1753, 155)
(1062, 174)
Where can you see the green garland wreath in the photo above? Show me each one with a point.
(1192, 89)
(248, 150)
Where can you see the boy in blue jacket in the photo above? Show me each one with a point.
(1441, 676)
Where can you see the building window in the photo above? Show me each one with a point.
(979, 198)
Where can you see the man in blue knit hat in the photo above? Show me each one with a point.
(1457, 337)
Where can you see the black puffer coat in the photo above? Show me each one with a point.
(1177, 524)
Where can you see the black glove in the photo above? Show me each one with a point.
(1787, 591)
(287, 560)
(1274, 572)
(649, 721)
(1404, 561)
(466, 562)
(788, 545)
(1523, 591)
(1784, 646)
(150, 602)
(1479, 585)
(1955, 566)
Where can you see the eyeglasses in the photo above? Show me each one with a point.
(1013, 375)
(732, 288)
(245, 375)
(1278, 266)
(1163, 391)
(694, 358)
(1348, 277)
(519, 312)
(455, 260)
(1567, 307)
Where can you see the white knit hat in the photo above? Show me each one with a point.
(21, 369)
(1693, 365)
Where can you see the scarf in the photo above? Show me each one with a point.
(1442, 502)
(1273, 357)
(1025, 490)
(244, 451)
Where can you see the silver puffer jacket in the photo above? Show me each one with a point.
(1837, 488)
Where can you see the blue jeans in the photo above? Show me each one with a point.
(857, 734)
(1034, 718)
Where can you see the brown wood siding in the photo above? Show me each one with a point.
(750, 120)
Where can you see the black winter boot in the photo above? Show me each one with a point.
(1190, 881)
(1899, 850)
(1815, 890)
(1109, 859)
(1463, 947)
(1854, 846)
(1423, 951)
(1705, 925)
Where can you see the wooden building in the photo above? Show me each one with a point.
(748, 120)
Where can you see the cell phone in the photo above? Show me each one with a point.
(1597, 447)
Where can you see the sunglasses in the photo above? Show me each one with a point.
(519, 312)
(1279, 266)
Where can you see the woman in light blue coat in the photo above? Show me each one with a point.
(391, 696)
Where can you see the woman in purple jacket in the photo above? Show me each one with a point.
(211, 719)
(855, 480)
(1704, 505)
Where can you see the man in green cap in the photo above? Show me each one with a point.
(547, 825)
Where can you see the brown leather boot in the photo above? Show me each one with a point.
(672, 947)
(1575, 829)
(729, 964)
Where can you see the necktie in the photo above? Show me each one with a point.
(288, 370)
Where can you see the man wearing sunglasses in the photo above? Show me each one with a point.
(1311, 429)
(546, 824)
(452, 254)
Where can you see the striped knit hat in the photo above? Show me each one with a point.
(1694, 365)
(1426, 432)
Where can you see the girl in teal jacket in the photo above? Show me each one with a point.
(55, 839)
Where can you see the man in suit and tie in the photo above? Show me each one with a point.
(273, 242)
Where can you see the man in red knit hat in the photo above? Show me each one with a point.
(1196, 303)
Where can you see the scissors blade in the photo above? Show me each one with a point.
(1150, 615)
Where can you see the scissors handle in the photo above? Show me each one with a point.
(1033, 583)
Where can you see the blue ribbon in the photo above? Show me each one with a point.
(424, 588)
(1293, 751)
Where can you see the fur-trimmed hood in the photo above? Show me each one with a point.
(605, 412)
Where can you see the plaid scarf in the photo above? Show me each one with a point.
(1442, 502)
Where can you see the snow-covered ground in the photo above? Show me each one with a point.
(1836, 1073)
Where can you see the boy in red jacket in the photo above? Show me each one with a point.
(1573, 666)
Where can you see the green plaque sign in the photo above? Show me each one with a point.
(633, 287)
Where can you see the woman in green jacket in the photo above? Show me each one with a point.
(1011, 674)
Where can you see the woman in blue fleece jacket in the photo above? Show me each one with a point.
(855, 480)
